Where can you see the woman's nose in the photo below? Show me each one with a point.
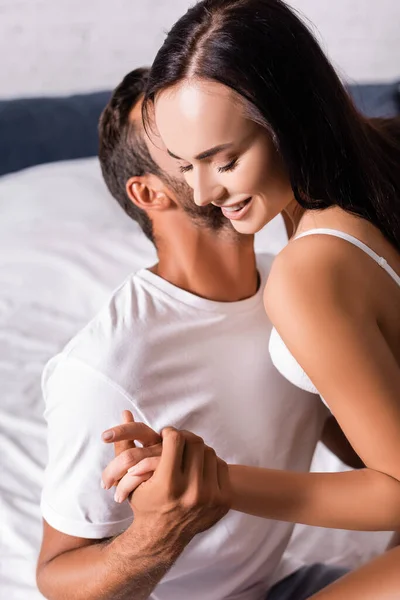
(204, 194)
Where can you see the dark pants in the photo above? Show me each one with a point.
(305, 582)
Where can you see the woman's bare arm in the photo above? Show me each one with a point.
(328, 330)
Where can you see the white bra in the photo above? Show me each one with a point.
(283, 360)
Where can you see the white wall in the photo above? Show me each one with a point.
(64, 46)
(361, 37)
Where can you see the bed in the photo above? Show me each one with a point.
(64, 245)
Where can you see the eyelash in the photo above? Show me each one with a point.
(229, 167)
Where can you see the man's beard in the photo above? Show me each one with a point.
(208, 216)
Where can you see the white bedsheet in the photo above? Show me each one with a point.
(64, 245)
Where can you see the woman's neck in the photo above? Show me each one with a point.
(293, 215)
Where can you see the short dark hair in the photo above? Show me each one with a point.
(122, 150)
(265, 53)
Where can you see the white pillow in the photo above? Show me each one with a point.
(66, 191)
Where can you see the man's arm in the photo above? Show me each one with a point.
(127, 567)
(182, 498)
(83, 564)
(335, 440)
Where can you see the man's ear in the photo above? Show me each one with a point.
(149, 193)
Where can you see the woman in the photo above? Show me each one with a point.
(246, 101)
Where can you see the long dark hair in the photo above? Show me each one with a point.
(265, 53)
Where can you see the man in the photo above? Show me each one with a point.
(182, 344)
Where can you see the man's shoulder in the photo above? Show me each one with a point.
(120, 324)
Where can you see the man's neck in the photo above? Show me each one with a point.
(215, 266)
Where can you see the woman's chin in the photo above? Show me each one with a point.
(249, 226)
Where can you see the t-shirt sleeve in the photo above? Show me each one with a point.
(80, 404)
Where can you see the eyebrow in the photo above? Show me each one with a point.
(206, 154)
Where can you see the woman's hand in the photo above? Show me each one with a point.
(128, 455)
(136, 475)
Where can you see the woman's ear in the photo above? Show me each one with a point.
(148, 193)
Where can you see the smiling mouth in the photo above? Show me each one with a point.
(236, 210)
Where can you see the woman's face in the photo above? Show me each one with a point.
(226, 158)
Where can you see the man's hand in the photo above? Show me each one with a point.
(190, 489)
(187, 487)
(187, 494)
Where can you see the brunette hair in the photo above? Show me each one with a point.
(266, 54)
(122, 150)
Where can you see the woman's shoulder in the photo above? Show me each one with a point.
(309, 271)
(318, 259)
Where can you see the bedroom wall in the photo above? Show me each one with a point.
(64, 46)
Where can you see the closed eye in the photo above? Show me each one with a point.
(229, 167)
(185, 169)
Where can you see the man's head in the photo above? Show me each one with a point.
(138, 171)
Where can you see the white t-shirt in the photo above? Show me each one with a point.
(173, 358)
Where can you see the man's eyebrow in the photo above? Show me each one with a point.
(206, 154)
